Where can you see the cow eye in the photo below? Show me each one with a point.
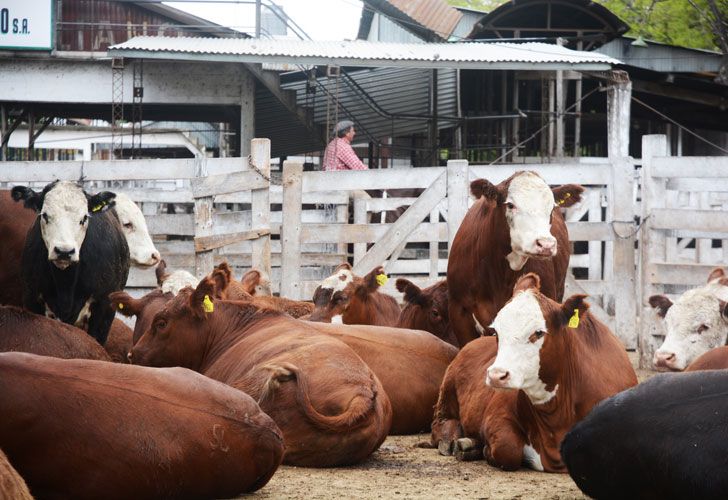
(536, 335)
(129, 225)
(161, 324)
(510, 206)
(83, 221)
(703, 328)
(45, 216)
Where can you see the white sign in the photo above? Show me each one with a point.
(26, 24)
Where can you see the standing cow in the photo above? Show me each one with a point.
(696, 323)
(75, 255)
(513, 228)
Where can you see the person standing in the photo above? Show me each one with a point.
(339, 154)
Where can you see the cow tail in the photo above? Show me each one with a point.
(360, 407)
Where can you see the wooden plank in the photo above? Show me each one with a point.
(203, 225)
(260, 156)
(573, 286)
(662, 273)
(553, 173)
(700, 166)
(384, 204)
(458, 192)
(408, 221)
(707, 221)
(291, 230)
(419, 266)
(590, 231)
(350, 180)
(228, 183)
(360, 218)
(367, 233)
(712, 184)
(205, 243)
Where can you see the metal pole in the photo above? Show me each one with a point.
(257, 18)
(3, 131)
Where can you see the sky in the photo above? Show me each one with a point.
(320, 19)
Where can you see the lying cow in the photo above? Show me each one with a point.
(87, 429)
(665, 438)
(555, 362)
(12, 486)
(513, 228)
(57, 280)
(351, 300)
(330, 406)
(24, 331)
(426, 309)
(695, 323)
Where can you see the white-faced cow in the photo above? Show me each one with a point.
(75, 255)
(513, 228)
(142, 251)
(696, 323)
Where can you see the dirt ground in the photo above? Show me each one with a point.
(400, 469)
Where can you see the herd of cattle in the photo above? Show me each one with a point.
(220, 382)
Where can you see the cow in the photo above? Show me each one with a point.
(714, 359)
(12, 486)
(513, 228)
(665, 438)
(142, 251)
(511, 398)
(426, 309)
(695, 323)
(351, 300)
(56, 280)
(119, 342)
(331, 408)
(255, 283)
(88, 429)
(173, 282)
(24, 331)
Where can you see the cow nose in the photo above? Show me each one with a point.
(155, 257)
(498, 376)
(64, 253)
(664, 358)
(546, 243)
(128, 356)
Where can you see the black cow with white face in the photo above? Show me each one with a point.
(75, 255)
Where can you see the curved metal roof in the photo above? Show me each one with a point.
(592, 22)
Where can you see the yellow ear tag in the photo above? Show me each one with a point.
(207, 304)
(563, 200)
(121, 306)
(382, 279)
(98, 207)
(574, 320)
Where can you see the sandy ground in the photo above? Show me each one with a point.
(400, 469)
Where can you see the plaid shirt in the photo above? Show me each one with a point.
(339, 155)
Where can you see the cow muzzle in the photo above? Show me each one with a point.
(498, 378)
(543, 248)
(665, 361)
(62, 257)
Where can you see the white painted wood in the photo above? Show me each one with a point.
(706, 221)
(213, 185)
(260, 157)
(701, 167)
(594, 208)
(360, 218)
(458, 191)
(553, 173)
(351, 180)
(291, 230)
(203, 225)
(434, 247)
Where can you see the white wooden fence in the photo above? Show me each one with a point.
(684, 232)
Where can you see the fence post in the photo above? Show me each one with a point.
(457, 196)
(203, 223)
(652, 243)
(291, 230)
(360, 217)
(260, 157)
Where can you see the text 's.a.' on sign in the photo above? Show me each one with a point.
(26, 24)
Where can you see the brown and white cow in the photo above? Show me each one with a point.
(351, 300)
(12, 486)
(88, 429)
(330, 406)
(173, 282)
(513, 228)
(24, 331)
(426, 309)
(695, 323)
(255, 283)
(513, 399)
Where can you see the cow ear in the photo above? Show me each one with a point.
(373, 280)
(31, 199)
(250, 280)
(221, 281)
(572, 311)
(412, 293)
(661, 303)
(345, 265)
(202, 298)
(482, 188)
(723, 309)
(125, 303)
(530, 280)
(161, 272)
(715, 274)
(100, 202)
(567, 195)
(224, 268)
(340, 298)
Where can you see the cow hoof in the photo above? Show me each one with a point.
(445, 447)
(466, 450)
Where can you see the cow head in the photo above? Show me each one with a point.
(531, 330)
(175, 335)
(64, 210)
(141, 249)
(329, 298)
(175, 281)
(143, 308)
(695, 323)
(425, 309)
(528, 204)
(255, 283)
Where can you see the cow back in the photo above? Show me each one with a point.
(200, 439)
(15, 221)
(714, 359)
(119, 342)
(23, 331)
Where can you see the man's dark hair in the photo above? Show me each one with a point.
(342, 133)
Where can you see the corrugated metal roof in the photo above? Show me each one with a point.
(662, 57)
(435, 16)
(363, 53)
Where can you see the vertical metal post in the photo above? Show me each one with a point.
(136, 109)
(257, 18)
(503, 125)
(516, 123)
(117, 106)
(3, 131)
(433, 132)
(31, 133)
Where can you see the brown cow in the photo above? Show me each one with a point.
(331, 408)
(12, 486)
(24, 331)
(106, 430)
(557, 362)
(15, 221)
(351, 300)
(119, 342)
(426, 309)
(513, 228)
(409, 363)
(714, 359)
(256, 284)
